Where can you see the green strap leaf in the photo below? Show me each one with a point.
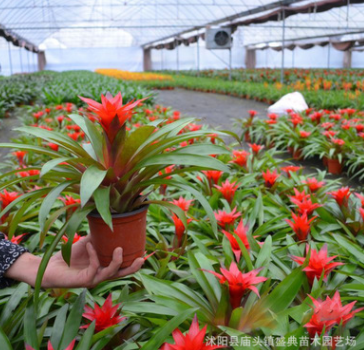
(48, 202)
(4, 341)
(73, 321)
(102, 201)
(90, 181)
(58, 326)
(159, 338)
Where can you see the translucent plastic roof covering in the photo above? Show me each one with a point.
(117, 23)
(338, 23)
(100, 23)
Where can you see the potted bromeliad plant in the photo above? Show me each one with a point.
(114, 171)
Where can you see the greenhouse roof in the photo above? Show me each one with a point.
(110, 23)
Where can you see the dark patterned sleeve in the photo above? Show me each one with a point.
(9, 252)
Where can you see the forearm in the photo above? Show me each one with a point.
(24, 269)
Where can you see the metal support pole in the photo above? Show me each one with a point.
(283, 42)
(293, 58)
(230, 63)
(162, 59)
(21, 61)
(177, 52)
(10, 61)
(328, 55)
(28, 61)
(198, 58)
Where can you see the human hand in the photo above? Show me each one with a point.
(85, 269)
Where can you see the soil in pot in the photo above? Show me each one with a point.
(129, 233)
(334, 166)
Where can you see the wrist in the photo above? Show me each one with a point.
(24, 269)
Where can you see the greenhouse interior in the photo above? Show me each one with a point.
(181, 174)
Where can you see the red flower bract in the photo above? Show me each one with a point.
(105, 316)
(300, 225)
(239, 283)
(240, 231)
(329, 313)
(270, 178)
(193, 340)
(227, 189)
(223, 218)
(183, 203)
(110, 108)
(341, 196)
(319, 263)
(7, 197)
(313, 184)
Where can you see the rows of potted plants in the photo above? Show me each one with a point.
(264, 92)
(303, 79)
(243, 251)
(49, 87)
(334, 136)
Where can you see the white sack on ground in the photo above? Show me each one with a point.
(294, 101)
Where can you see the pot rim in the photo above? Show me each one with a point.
(141, 209)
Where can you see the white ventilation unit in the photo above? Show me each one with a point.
(218, 38)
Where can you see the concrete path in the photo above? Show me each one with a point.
(6, 133)
(213, 109)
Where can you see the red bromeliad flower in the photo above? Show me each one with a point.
(361, 197)
(213, 175)
(105, 316)
(329, 133)
(255, 148)
(299, 196)
(300, 225)
(252, 113)
(338, 142)
(50, 346)
(327, 125)
(193, 340)
(329, 313)
(313, 184)
(306, 205)
(319, 263)
(341, 196)
(240, 157)
(273, 116)
(20, 155)
(53, 146)
(239, 283)
(17, 239)
(241, 232)
(180, 228)
(69, 200)
(228, 190)
(76, 238)
(316, 117)
(183, 203)
(112, 113)
(304, 134)
(223, 218)
(7, 197)
(291, 168)
(270, 178)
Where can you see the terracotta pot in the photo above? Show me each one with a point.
(334, 166)
(129, 233)
(297, 155)
(324, 161)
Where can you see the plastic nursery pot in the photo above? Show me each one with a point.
(297, 155)
(129, 233)
(247, 137)
(324, 161)
(334, 166)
